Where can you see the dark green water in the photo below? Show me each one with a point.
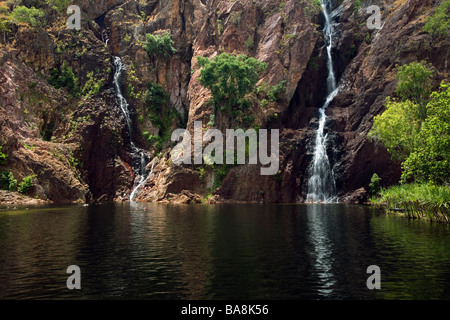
(154, 251)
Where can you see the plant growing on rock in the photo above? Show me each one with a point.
(230, 77)
(32, 16)
(64, 78)
(430, 161)
(414, 84)
(2, 156)
(375, 185)
(157, 45)
(438, 24)
(7, 181)
(92, 86)
(416, 130)
(26, 184)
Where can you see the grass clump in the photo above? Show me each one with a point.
(424, 201)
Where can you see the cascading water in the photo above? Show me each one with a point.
(321, 184)
(139, 158)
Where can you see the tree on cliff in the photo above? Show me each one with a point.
(416, 130)
(430, 161)
(32, 16)
(397, 128)
(230, 77)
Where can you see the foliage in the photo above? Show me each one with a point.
(418, 200)
(317, 3)
(159, 113)
(220, 172)
(430, 161)
(157, 45)
(92, 86)
(438, 24)
(356, 7)
(235, 18)
(2, 156)
(230, 77)
(397, 128)
(58, 5)
(249, 43)
(414, 83)
(26, 184)
(32, 16)
(7, 181)
(5, 27)
(219, 27)
(417, 132)
(275, 92)
(155, 97)
(64, 78)
(375, 185)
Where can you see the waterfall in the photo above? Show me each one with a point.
(139, 158)
(321, 184)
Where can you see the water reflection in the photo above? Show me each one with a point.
(321, 252)
(156, 251)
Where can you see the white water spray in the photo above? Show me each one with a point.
(138, 155)
(321, 184)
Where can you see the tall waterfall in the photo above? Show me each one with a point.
(139, 158)
(321, 184)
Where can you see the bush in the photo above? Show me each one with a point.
(64, 78)
(26, 184)
(438, 24)
(155, 97)
(414, 83)
(92, 86)
(418, 200)
(375, 185)
(157, 45)
(32, 16)
(58, 5)
(235, 18)
(249, 43)
(275, 92)
(7, 181)
(2, 156)
(397, 128)
(230, 77)
(430, 161)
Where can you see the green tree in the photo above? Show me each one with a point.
(26, 184)
(64, 78)
(4, 28)
(438, 24)
(92, 86)
(2, 156)
(157, 45)
(58, 5)
(32, 16)
(230, 77)
(7, 181)
(414, 83)
(397, 128)
(430, 161)
(375, 185)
